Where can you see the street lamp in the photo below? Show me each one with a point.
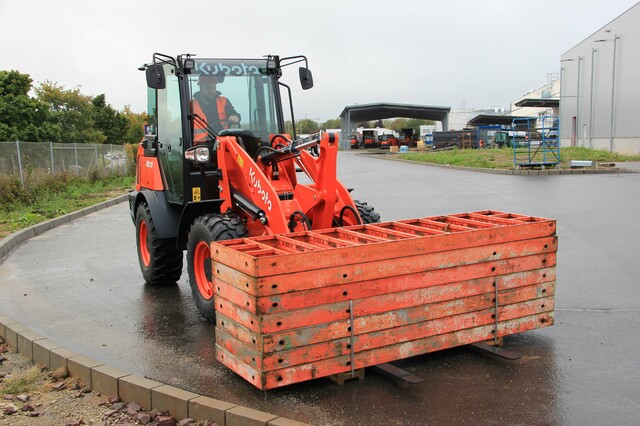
(593, 52)
(579, 59)
(613, 86)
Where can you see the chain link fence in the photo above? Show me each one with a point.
(21, 158)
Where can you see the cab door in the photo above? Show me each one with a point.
(169, 133)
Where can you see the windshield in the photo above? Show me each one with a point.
(247, 92)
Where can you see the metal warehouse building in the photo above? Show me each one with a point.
(600, 88)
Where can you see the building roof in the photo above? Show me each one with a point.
(488, 120)
(378, 111)
(539, 103)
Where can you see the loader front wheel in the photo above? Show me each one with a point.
(160, 260)
(367, 213)
(206, 229)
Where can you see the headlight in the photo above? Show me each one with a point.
(199, 155)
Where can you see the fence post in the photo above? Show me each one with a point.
(53, 167)
(75, 148)
(126, 160)
(111, 150)
(20, 164)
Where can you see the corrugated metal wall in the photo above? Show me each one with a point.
(600, 95)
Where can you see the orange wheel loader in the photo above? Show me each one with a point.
(301, 280)
(196, 184)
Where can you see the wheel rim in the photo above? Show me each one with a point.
(143, 234)
(202, 269)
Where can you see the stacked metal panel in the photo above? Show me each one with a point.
(295, 307)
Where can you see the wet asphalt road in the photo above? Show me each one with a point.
(80, 285)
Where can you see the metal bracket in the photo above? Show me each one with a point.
(351, 340)
(482, 347)
(398, 373)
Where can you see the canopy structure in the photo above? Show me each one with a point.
(353, 114)
(539, 103)
(490, 120)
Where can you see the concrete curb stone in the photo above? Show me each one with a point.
(80, 367)
(11, 334)
(244, 416)
(41, 352)
(59, 357)
(111, 381)
(172, 399)
(203, 407)
(521, 172)
(25, 342)
(137, 388)
(104, 379)
(4, 322)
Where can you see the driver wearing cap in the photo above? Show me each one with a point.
(210, 105)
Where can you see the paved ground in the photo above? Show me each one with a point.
(80, 285)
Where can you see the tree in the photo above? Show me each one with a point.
(21, 117)
(307, 126)
(110, 122)
(398, 124)
(135, 125)
(72, 111)
(334, 123)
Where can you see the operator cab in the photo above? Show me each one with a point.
(251, 86)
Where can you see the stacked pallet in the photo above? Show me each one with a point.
(295, 307)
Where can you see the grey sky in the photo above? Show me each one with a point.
(485, 53)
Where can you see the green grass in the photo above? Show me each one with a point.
(46, 197)
(503, 158)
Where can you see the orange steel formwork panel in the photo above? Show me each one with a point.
(295, 307)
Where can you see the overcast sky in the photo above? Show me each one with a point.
(446, 52)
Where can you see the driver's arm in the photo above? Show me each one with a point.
(230, 111)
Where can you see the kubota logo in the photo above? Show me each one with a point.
(234, 69)
(149, 164)
(257, 184)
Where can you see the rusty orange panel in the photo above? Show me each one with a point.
(391, 336)
(324, 277)
(238, 331)
(289, 307)
(420, 330)
(460, 288)
(400, 317)
(379, 279)
(245, 371)
(342, 364)
(384, 319)
(263, 263)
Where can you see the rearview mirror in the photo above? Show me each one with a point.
(155, 77)
(306, 79)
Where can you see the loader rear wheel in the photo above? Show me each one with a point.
(205, 229)
(367, 212)
(160, 260)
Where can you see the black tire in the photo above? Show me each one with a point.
(367, 213)
(160, 260)
(205, 229)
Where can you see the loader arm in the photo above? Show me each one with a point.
(332, 194)
(266, 192)
(242, 175)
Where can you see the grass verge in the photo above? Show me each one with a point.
(23, 382)
(503, 158)
(45, 197)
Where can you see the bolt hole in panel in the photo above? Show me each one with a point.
(300, 306)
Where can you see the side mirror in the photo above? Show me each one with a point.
(155, 77)
(306, 79)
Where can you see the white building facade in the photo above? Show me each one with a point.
(600, 88)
